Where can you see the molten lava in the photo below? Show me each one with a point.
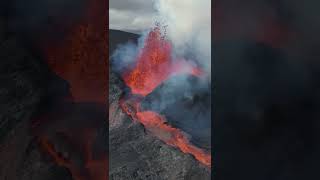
(154, 65)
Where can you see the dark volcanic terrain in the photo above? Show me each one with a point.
(134, 153)
(25, 84)
(36, 102)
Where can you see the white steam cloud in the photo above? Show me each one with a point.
(188, 27)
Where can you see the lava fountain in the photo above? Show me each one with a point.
(154, 65)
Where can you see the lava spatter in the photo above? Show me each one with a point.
(154, 65)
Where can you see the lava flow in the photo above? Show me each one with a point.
(154, 65)
(172, 136)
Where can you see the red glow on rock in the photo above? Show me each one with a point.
(172, 136)
(154, 65)
(81, 58)
(156, 125)
(92, 168)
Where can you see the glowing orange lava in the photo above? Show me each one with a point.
(81, 59)
(172, 136)
(154, 65)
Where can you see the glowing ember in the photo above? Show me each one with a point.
(154, 65)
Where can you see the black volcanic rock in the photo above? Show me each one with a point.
(21, 84)
(29, 89)
(26, 84)
(21, 158)
(185, 101)
(24, 87)
(137, 155)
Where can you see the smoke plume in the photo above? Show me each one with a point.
(188, 27)
(184, 100)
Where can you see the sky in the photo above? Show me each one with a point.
(129, 15)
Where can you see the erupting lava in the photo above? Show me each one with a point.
(154, 65)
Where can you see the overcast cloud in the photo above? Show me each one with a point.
(129, 15)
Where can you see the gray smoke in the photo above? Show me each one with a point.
(184, 100)
(188, 27)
